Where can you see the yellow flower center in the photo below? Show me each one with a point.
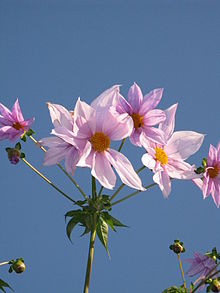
(17, 126)
(213, 172)
(137, 119)
(100, 142)
(161, 156)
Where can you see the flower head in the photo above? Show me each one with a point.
(139, 110)
(12, 123)
(211, 177)
(96, 128)
(167, 160)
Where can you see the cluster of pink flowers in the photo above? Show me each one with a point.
(82, 137)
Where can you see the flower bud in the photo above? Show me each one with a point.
(177, 247)
(13, 155)
(18, 266)
(215, 286)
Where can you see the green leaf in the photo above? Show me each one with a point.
(30, 132)
(70, 226)
(72, 213)
(22, 155)
(4, 284)
(18, 146)
(102, 232)
(116, 222)
(191, 286)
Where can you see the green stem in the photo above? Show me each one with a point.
(48, 181)
(133, 194)
(61, 168)
(181, 269)
(94, 195)
(122, 185)
(100, 192)
(90, 256)
(121, 145)
(4, 263)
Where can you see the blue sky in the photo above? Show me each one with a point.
(59, 50)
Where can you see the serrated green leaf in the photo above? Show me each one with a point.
(30, 132)
(116, 222)
(70, 226)
(102, 232)
(4, 284)
(72, 213)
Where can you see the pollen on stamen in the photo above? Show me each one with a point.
(137, 119)
(100, 142)
(161, 156)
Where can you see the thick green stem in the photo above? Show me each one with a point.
(61, 168)
(181, 269)
(90, 256)
(48, 181)
(133, 194)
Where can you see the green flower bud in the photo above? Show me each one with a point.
(18, 266)
(177, 247)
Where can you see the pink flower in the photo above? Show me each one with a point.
(138, 109)
(12, 123)
(64, 145)
(211, 178)
(201, 265)
(96, 129)
(167, 160)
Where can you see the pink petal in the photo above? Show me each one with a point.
(135, 137)
(60, 116)
(67, 136)
(86, 158)
(16, 112)
(5, 122)
(112, 126)
(54, 155)
(135, 97)
(84, 113)
(6, 112)
(181, 170)
(154, 117)
(102, 170)
(183, 144)
(198, 182)
(71, 159)
(207, 185)
(151, 100)
(148, 161)
(124, 169)
(168, 125)
(212, 156)
(154, 134)
(8, 132)
(163, 180)
(106, 99)
(123, 106)
(216, 194)
(52, 142)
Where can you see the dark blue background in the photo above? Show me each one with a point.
(59, 50)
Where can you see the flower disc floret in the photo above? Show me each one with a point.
(100, 142)
(137, 119)
(213, 172)
(17, 126)
(161, 156)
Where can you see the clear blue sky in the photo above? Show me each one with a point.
(59, 50)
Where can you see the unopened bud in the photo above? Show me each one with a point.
(177, 247)
(18, 266)
(13, 155)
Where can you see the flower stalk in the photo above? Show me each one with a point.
(181, 269)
